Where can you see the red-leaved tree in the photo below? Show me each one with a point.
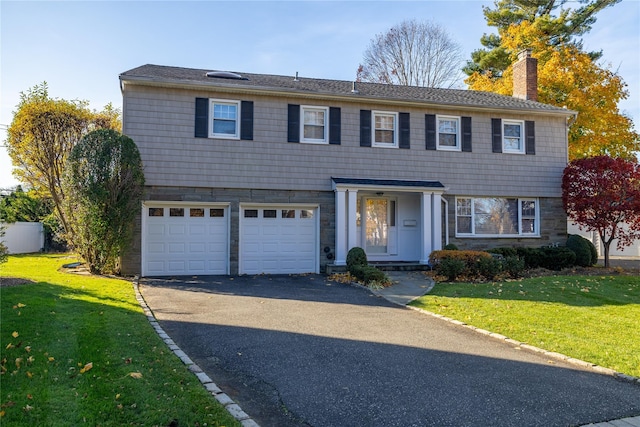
(602, 193)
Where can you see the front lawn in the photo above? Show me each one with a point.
(592, 318)
(78, 350)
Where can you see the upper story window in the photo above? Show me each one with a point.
(314, 124)
(385, 126)
(513, 136)
(448, 136)
(224, 119)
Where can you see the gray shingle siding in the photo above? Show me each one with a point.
(161, 122)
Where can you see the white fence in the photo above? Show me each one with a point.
(23, 237)
(628, 251)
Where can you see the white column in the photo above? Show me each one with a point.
(426, 229)
(436, 204)
(352, 230)
(341, 227)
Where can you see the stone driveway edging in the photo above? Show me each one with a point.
(518, 344)
(228, 403)
(551, 354)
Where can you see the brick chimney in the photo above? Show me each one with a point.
(525, 76)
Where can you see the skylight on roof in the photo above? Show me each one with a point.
(225, 75)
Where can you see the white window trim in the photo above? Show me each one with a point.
(325, 139)
(535, 234)
(373, 129)
(536, 219)
(522, 141)
(212, 102)
(458, 146)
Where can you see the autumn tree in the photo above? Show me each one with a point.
(412, 54)
(104, 180)
(601, 194)
(558, 22)
(42, 134)
(568, 77)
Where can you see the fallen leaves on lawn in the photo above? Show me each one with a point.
(86, 367)
(136, 375)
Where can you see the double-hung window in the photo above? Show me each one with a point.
(314, 124)
(513, 136)
(448, 135)
(497, 217)
(385, 127)
(225, 121)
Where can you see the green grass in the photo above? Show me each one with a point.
(592, 318)
(78, 350)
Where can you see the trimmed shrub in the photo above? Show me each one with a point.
(558, 258)
(505, 252)
(580, 246)
(468, 257)
(356, 257)
(368, 274)
(451, 268)
(450, 247)
(489, 267)
(533, 257)
(513, 266)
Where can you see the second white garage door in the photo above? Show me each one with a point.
(278, 239)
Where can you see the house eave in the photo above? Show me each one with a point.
(222, 87)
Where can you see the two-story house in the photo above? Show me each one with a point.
(252, 173)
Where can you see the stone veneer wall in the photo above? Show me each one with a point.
(131, 263)
(553, 229)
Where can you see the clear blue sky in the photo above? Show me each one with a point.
(81, 47)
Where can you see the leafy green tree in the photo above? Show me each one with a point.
(559, 22)
(104, 181)
(42, 134)
(23, 206)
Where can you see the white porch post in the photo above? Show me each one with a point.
(341, 227)
(352, 235)
(427, 226)
(436, 240)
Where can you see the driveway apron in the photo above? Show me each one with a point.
(301, 350)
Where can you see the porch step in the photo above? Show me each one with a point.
(384, 266)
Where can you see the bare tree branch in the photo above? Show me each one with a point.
(413, 54)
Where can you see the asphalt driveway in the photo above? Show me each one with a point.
(299, 350)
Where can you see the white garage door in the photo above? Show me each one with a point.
(278, 240)
(185, 240)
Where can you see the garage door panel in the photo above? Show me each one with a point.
(176, 248)
(185, 245)
(280, 245)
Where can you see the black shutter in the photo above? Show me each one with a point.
(334, 125)
(496, 135)
(293, 130)
(405, 130)
(530, 137)
(466, 134)
(365, 128)
(430, 131)
(246, 120)
(202, 118)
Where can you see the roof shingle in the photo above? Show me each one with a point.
(450, 97)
